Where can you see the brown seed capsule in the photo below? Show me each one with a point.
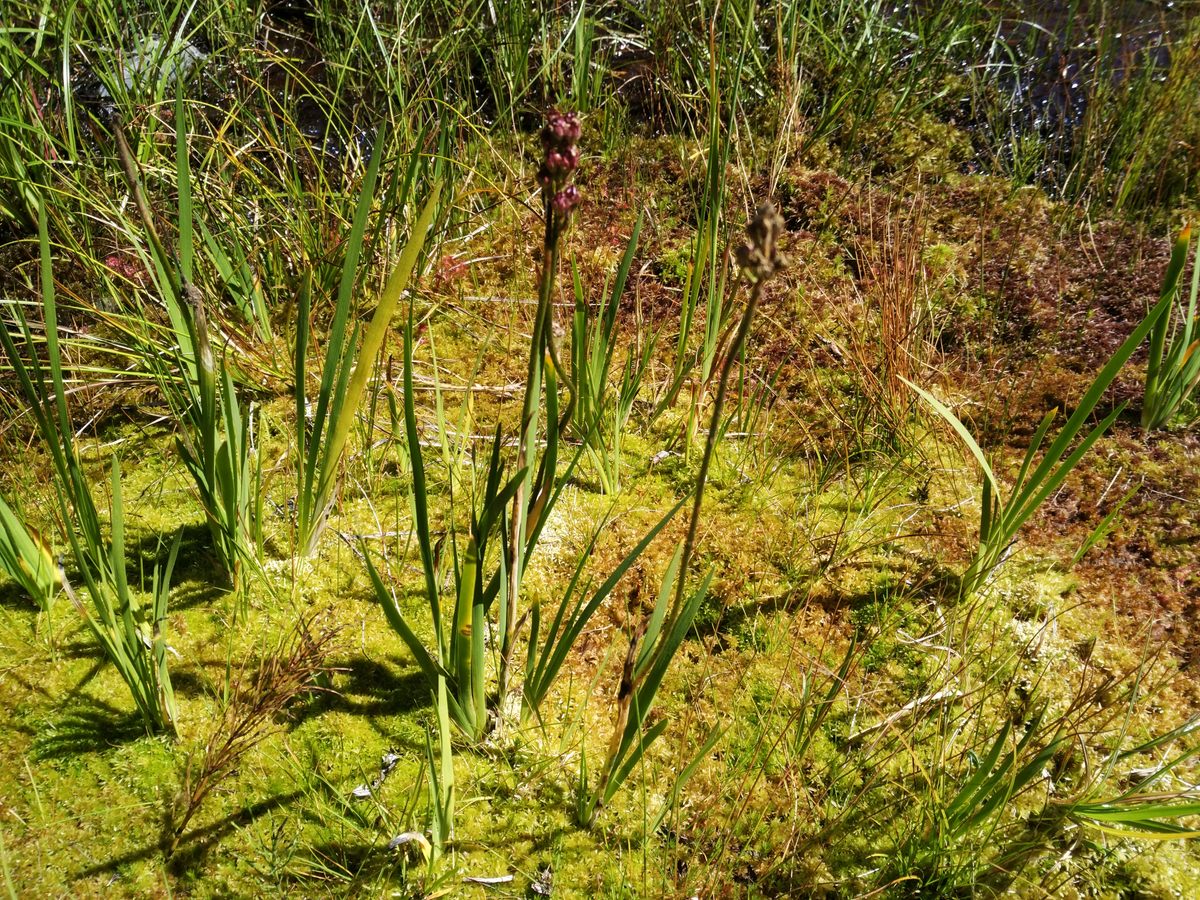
(759, 256)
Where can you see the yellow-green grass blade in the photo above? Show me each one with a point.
(372, 342)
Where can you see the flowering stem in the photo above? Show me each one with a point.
(542, 326)
(710, 444)
(559, 197)
(759, 259)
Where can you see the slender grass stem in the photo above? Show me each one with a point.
(759, 259)
(710, 443)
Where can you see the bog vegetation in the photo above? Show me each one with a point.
(599, 449)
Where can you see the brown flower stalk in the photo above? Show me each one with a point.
(760, 259)
(251, 714)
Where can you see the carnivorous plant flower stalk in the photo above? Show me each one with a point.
(561, 154)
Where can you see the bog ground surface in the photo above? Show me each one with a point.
(599, 449)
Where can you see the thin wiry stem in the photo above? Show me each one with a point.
(710, 443)
(759, 259)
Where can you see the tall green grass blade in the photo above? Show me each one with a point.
(26, 557)
(1141, 818)
(429, 668)
(1159, 336)
(420, 501)
(659, 615)
(686, 773)
(1034, 445)
(372, 342)
(467, 644)
(961, 430)
(184, 181)
(975, 785)
(1100, 532)
(478, 673)
(1021, 507)
(555, 647)
(1173, 373)
(637, 753)
(334, 371)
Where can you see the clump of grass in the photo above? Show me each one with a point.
(890, 260)
(1128, 152)
(1173, 369)
(455, 670)
(132, 635)
(197, 383)
(345, 371)
(705, 285)
(600, 417)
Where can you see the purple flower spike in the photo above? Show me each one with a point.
(571, 128)
(561, 132)
(561, 159)
(566, 200)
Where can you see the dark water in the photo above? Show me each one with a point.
(293, 81)
(1041, 66)
(1048, 61)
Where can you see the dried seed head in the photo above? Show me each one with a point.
(759, 256)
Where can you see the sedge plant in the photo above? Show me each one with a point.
(1001, 516)
(197, 382)
(550, 644)
(345, 371)
(1019, 790)
(538, 486)
(651, 650)
(1173, 369)
(132, 634)
(705, 286)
